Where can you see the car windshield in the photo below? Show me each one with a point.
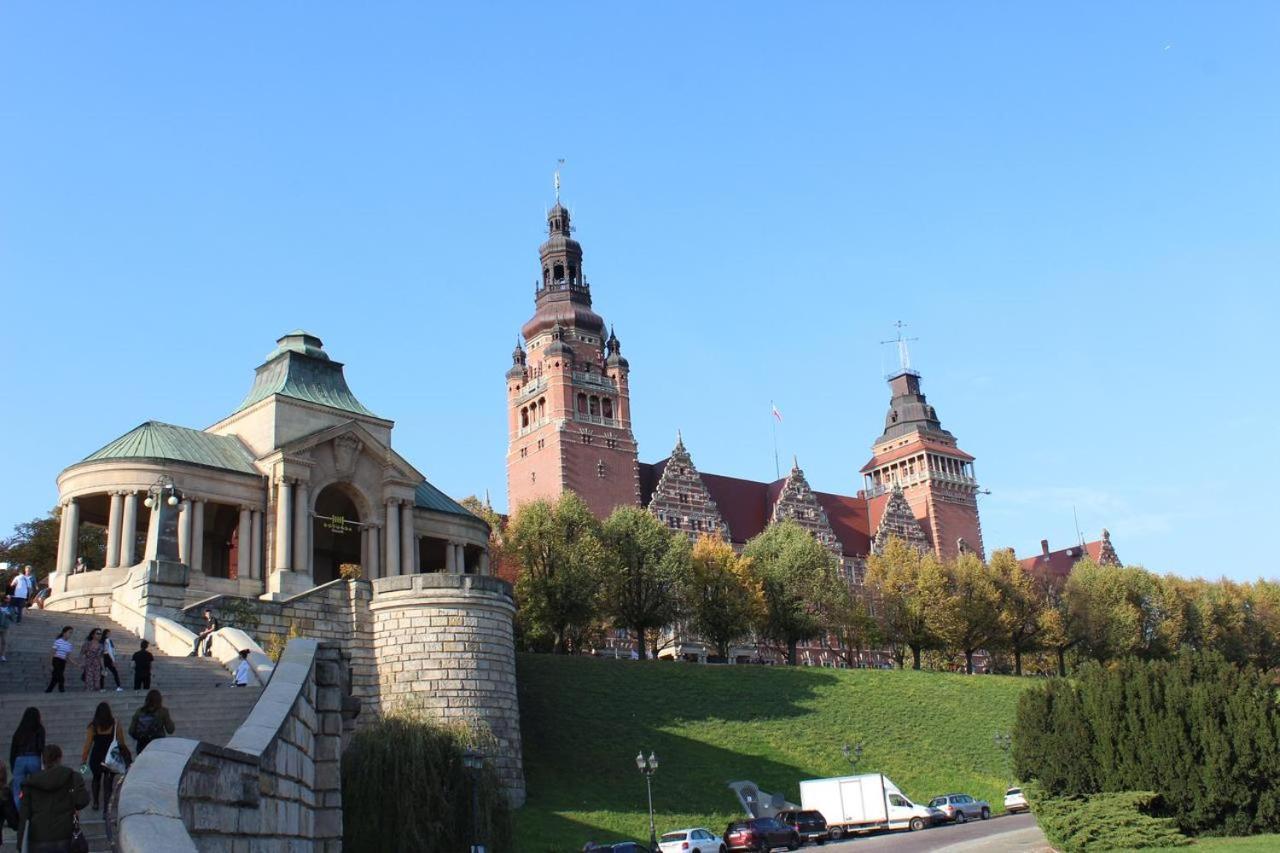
(1013, 791)
(810, 815)
(673, 836)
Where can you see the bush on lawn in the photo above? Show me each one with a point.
(404, 788)
(1202, 733)
(1118, 821)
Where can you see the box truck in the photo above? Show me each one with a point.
(862, 803)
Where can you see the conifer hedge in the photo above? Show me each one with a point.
(404, 788)
(1202, 733)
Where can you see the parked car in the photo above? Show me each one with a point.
(809, 824)
(961, 807)
(760, 834)
(696, 840)
(620, 847)
(1015, 801)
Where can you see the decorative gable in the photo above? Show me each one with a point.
(1106, 551)
(797, 502)
(681, 500)
(899, 521)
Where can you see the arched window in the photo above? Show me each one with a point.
(558, 274)
(595, 405)
(582, 404)
(524, 417)
(542, 408)
(606, 407)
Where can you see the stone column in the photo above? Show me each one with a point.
(393, 537)
(302, 530)
(407, 564)
(184, 532)
(284, 523)
(450, 559)
(255, 549)
(484, 563)
(69, 530)
(197, 535)
(364, 550)
(129, 530)
(114, 519)
(244, 544)
(374, 569)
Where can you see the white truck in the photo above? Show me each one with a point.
(861, 803)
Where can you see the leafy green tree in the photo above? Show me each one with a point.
(909, 587)
(1102, 625)
(724, 596)
(797, 575)
(969, 612)
(850, 621)
(35, 542)
(1262, 624)
(1022, 604)
(497, 525)
(644, 574)
(557, 546)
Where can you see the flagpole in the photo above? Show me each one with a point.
(773, 422)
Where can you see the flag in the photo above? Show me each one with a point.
(776, 413)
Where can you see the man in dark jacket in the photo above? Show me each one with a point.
(50, 799)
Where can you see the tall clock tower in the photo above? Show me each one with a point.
(568, 397)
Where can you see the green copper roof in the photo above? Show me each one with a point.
(166, 442)
(428, 496)
(300, 368)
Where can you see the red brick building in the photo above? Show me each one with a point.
(569, 427)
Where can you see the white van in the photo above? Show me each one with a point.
(862, 803)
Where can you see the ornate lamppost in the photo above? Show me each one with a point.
(852, 754)
(649, 766)
(473, 761)
(163, 497)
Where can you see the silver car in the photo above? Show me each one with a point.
(961, 807)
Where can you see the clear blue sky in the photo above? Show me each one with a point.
(1075, 207)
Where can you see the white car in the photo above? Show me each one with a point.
(1015, 801)
(695, 840)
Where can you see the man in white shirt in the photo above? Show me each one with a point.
(24, 589)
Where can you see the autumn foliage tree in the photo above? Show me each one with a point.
(724, 596)
(1023, 602)
(969, 615)
(909, 586)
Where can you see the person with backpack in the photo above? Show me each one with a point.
(25, 749)
(50, 800)
(104, 729)
(142, 667)
(150, 722)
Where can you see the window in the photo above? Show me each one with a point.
(541, 442)
(606, 407)
(595, 405)
(533, 476)
(895, 800)
(586, 438)
(600, 469)
(673, 522)
(684, 497)
(582, 404)
(524, 417)
(611, 443)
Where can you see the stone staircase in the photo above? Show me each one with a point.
(196, 691)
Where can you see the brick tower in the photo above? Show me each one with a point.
(917, 460)
(568, 399)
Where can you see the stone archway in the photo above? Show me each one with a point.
(332, 544)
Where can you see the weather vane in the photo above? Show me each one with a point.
(904, 356)
(559, 166)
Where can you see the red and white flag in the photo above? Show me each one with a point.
(776, 413)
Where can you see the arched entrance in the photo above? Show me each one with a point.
(336, 542)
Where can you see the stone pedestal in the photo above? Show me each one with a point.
(158, 587)
(284, 583)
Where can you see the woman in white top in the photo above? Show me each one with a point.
(243, 670)
(61, 652)
(109, 658)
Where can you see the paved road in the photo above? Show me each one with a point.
(1008, 834)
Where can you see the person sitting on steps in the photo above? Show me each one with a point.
(206, 634)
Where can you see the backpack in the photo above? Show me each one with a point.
(147, 726)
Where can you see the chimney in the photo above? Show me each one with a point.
(1044, 547)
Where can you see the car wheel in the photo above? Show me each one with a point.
(835, 833)
(795, 842)
(917, 824)
(961, 817)
(986, 813)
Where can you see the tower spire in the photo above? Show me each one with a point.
(559, 166)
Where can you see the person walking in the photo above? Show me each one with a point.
(6, 619)
(104, 729)
(206, 635)
(142, 667)
(91, 661)
(25, 749)
(150, 722)
(109, 659)
(243, 670)
(61, 652)
(50, 800)
(24, 588)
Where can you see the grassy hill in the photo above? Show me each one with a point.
(584, 720)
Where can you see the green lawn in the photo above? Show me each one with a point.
(1250, 844)
(584, 720)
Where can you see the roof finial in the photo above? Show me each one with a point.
(904, 355)
(795, 462)
(679, 438)
(559, 166)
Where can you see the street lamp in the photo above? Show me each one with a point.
(473, 761)
(648, 767)
(853, 754)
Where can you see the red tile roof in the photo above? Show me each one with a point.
(1056, 565)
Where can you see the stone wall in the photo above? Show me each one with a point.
(445, 644)
(275, 787)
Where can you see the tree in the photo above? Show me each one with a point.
(35, 542)
(724, 596)
(644, 574)
(909, 586)
(1101, 624)
(1022, 605)
(969, 613)
(497, 525)
(558, 549)
(850, 621)
(797, 574)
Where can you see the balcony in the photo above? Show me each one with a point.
(600, 420)
(917, 477)
(595, 380)
(531, 387)
(523, 431)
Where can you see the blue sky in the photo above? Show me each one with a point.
(1075, 207)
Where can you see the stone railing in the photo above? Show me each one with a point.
(276, 786)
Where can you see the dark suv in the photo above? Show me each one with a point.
(810, 825)
(760, 834)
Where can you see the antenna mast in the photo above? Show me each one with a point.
(904, 354)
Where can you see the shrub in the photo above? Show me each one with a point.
(350, 571)
(274, 646)
(1119, 821)
(404, 788)
(239, 613)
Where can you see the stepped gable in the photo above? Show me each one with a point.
(796, 501)
(1104, 552)
(680, 498)
(897, 520)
